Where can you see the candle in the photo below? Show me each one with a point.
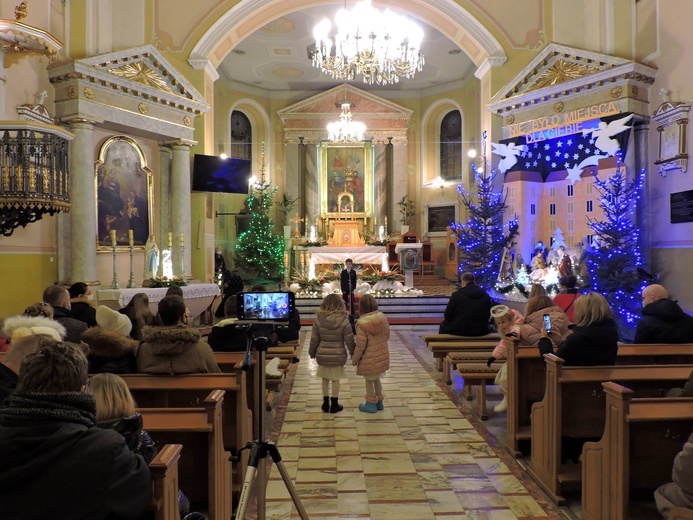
(385, 222)
(182, 242)
(170, 239)
(312, 234)
(130, 238)
(375, 222)
(113, 237)
(381, 233)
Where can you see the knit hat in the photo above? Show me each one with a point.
(113, 320)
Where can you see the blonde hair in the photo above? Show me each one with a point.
(538, 303)
(591, 308)
(501, 312)
(367, 304)
(332, 303)
(113, 398)
(537, 290)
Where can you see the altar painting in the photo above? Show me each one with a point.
(346, 174)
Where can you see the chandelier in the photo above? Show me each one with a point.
(383, 47)
(345, 130)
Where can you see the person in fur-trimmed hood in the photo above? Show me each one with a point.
(112, 351)
(174, 348)
(20, 326)
(371, 355)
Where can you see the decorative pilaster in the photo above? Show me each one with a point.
(180, 197)
(165, 198)
(641, 162)
(82, 197)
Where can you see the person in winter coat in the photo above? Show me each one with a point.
(80, 303)
(21, 348)
(174, 348)
(468, 311)
(679, 492)
(111, 350)
(330, 339)
(594, 340)
(663, 321)
(566, 298)
(371, 354)
(59, 298)
(137, 310)
(509, 322)
(530, 331)
(37, 319)
(54, 461)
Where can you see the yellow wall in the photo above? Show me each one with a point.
(23, 277)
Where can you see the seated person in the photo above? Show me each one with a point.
(227, 335)
(233, 286)
(59, 298)
(80, 302)
(36, 319)
(54, 461)
(663, 320)
(566, 298)
(137, 310)
(679, 492)
(173, 347)
(469, 310)
(111, 349)
(21, 348)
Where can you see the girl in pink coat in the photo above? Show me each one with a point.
(371, 355)
(509, 322)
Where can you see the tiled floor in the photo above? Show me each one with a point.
(420, 458)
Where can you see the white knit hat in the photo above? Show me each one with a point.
(113, 320)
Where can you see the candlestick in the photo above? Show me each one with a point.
(131, 281)
(182, 242)
(386, 223)
(113, 237)
(130, 238)
(114, 283)
(170, 239)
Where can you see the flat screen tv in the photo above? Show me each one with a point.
(212, 173)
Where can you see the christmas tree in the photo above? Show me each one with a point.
(260, 250)
(615, 260)
(558, 240)
(482, 240)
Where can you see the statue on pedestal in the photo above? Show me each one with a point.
(151, 258)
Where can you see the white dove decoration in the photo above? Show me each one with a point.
(575, 172)
(605, 132)
(509, 153)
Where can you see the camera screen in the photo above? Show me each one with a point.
(274, 306)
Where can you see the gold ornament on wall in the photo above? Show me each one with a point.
(616, 92)
(558, 107)
(142, 108)
(510, 119)
(561, 71)
(633, 92)
(187, 121)
(71, 91)
(672, 120)
(89, 93)
(141, 73)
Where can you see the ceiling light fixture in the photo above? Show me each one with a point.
(383, 47)
(345, 130)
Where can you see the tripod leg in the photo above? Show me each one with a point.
(245, 492)
(277, 459)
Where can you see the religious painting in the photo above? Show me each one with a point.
(346, 176)
(123, 189)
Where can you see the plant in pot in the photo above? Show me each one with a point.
(286, 205)
(407, 209)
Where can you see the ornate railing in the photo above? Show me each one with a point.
(34, 173)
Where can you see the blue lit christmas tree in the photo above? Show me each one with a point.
(482, 240)
(260, 250)
(614, 264)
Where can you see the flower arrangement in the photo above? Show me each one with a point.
(165, 281)
(374, 275)
(317, 243)
(313, 285)
(407, 209)
(373, 239)
(383, 293)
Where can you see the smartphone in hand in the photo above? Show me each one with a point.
(547, 322)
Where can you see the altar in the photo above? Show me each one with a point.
(337, 255)
(197, 296)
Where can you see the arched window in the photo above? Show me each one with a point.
(451, 146)
(241, 136)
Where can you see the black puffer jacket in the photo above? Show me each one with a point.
(663, 321)
(74, 327)
(135, 437)
(468, 312)
(591, 345)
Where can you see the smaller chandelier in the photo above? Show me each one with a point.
(345, 130)
(383, 47)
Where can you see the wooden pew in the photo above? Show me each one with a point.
(440, 349)
(164, 470)
(185, 390)
(200, 430)
(680, 513)
(479, 375)
(526, 376)
(637, 450)
(573, 406)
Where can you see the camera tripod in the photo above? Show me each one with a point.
(259, 448)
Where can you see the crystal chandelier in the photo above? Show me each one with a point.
(383, 47)
(345, 130)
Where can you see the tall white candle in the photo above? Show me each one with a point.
(312, 234)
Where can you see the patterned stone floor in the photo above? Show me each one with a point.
(420, 458)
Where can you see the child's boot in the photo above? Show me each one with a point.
(326, 404)
(370, 406)
(336, 407)
(379, 405)
(502, 406)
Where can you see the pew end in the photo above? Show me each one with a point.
(164, 470)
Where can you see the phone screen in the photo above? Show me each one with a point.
(547, 322)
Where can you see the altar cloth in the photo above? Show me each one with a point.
(337, 255)
(197, 296)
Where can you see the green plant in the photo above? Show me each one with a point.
(286, 205)
(407, 209)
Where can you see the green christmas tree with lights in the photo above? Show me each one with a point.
(260, 250)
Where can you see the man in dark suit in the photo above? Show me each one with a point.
(468, 311)
(348, 282)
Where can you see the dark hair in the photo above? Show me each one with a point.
(174, 290)
(258, 288)
(537, 303)
(139, 313)
(569, 282)
(77, 289)
(231, 307)
(171, 310)
(57, 367)
(468, 277)
(348, 261)
(54, 295)
(367, 304)
(39, 309)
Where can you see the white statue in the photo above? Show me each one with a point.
(151, 258)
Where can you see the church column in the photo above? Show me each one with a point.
(383, 182)
(399, 183)
(313, 207)
(641, 162)
(164, 195)
(180, 203)
(83, 211)
(301, 179)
